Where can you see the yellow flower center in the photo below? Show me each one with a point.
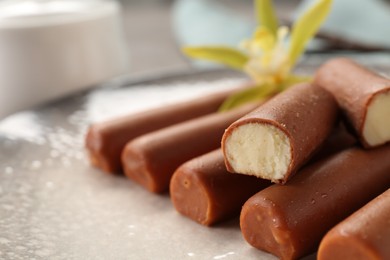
(268, 56)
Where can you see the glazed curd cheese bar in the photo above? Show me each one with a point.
(275, 140)
(363, 235)
(151, 159)
(290, 220)
(204, 191)
(363, 96)
(106, 140)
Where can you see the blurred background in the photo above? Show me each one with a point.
(156, 29)
(53, 48)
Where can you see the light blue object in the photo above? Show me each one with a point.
(198, 22)
(209, 22)
(365, 22)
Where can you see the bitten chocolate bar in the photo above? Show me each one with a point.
(363, 96)
(275, 140)
(151, 159)
(290, 220)
(203, 190)
(105, 141)
(363, 235)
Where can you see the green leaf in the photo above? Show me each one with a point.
(293, 79)
(306, 27)
(265, 15)
(257, 93)
(260, 93)
(220, 54)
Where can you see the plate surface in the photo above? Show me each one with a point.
(53, 205)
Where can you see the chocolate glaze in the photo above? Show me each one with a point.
(338, 140)
(305, 113)
(106, 140)
(363, 235)
(151, 159)
(354, 87)
(290, 220)
(203, 190)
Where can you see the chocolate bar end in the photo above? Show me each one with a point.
(271, 233)
(96, 146)
(344, 247)
(136, 167)
(189, 197)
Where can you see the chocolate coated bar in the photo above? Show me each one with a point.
(151, 159)
(290, 220)
(275, 140)
(203, 190)
(363, 96)
(363, 235)
(105, 141)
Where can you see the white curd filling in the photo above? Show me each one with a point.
(262, 150)
(376, 129)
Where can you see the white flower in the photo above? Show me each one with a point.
(268, 60)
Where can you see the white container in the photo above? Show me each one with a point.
(49, 49)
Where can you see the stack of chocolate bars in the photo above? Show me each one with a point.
(309, 168)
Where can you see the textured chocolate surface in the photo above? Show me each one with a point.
(363, 235)
(290, 220)
(339, 139)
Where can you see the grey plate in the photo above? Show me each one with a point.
(53, 205)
